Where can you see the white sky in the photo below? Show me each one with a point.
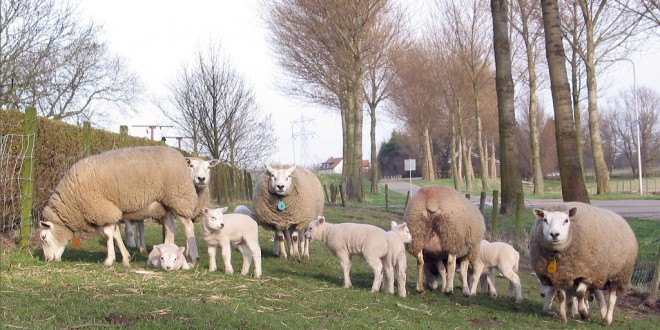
(158, 36)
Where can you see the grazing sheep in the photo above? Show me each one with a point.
(227, 230)
(443, 212)
(395, 261)
(502, 256)
(285, 200)
(200, 173)
(131, 183)
(347, 239)
(168, 257)
(586, 247)
(242, 209)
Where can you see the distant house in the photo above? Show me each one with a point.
(334, 165)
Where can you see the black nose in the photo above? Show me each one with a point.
(280, 187)
(201, 179)
(554, 235)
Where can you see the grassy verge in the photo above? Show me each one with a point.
(80, 292)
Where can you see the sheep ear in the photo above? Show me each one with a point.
(539, 213)
(291, 169)
(321, 219)
(205, 210)
(392, 224)
(188, 160)
(223, 210)
(572, 212)
(270, 169)
(157, 249)
(181, 250)
(214, 162)
(46, 224)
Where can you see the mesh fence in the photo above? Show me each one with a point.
(11, 167)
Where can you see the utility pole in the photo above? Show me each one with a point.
(152, 128)
(178, 138)
(299, 130)
(639, 128)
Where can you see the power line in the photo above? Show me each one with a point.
(300, 131)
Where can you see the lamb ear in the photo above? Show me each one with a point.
(205, 210)
(321, 219)
(157, 249)
(213, 162)
(392, 224)
(539, 213)
(572, 212)
(223, 210)
(181, 250)
(46, 224)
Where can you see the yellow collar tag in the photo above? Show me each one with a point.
(552, 267)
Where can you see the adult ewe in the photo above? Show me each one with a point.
(200, 174)
(286, 200)
(576, 244)
(348, 239)
(459, 226)
(131, 183)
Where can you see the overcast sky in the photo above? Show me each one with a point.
(158, 36)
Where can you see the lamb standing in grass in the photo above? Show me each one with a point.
(227, 230)
(579, 242)
(347, 239)
(285, 200)
(200, 173)
(168, 257)
(98, 191)
(501, 256)
(395, 261)
(443, 212)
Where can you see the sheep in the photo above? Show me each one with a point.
(576, 245)
(459, 226)
(131, 183)
(168, 257)
(395, 261)
(200, 173)
(548, 293)
(227, 230)
(502, 256)
(242, 209)
(347, 239)
(285, 201)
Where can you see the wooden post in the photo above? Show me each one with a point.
(87, 140)
(520, 206)
(482, 202)
(405, 206)
(494, 215)
(341, 194)
(123, 136)
(27, 177)
(387, 202)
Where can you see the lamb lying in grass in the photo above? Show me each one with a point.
(227, 230)
(347, 239)
(396, 262)
(168, 257)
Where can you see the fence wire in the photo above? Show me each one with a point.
(12, 155)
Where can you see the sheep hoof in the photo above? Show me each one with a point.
(108, 262)
(125, 263)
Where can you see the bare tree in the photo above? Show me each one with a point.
(572, 179)
(51, 59)
(215, 106)
(322, 47)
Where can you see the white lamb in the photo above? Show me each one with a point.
(227, 230)
(396, 261)
(502, 256)
(168, 257)
(347, 239)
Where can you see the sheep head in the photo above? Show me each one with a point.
(281, 180)
(556, 226)
(316, 229)
(213, 218)
(402, 230)
(170, 260)
(51, 243)
(200, 170)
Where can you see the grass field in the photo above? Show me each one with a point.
(80, 292)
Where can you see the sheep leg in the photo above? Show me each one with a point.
(212, 265)
(255, 252)
(600, 297)
(420, 272)
(191, 243)
(304, 248)
(226, 256)
(470, 288)
(140, 238)
(168, 228)
(561, 299)
(345, 262)
(125, 256)
(247, 257)
(610, 307)
(130, 234)
(442, 269)
(108, 233)
(281, 247)
(451, 270)
(377, 265)
(581, 294)
(401, 275)
(388, 278)
(293, 247)
(548, 295)
(514, 283)
(490, 283)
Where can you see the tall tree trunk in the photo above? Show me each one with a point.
(572, 180)
(493, 164)
(483, 159)
(575, 91)
(374, 154)
(510, 177)
(464, 151)
(602, 177)
(455, 166)
(428, 172)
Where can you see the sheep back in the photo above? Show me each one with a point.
(99, 189)
(601, 250)
(303, 204)
(443, 211)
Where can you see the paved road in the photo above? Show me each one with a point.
(629, 208)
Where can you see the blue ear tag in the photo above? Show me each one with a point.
(281, 205)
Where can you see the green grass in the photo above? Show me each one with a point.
(80, 292)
